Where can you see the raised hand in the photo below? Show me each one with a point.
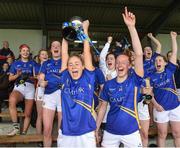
(109, 39)
(173, 34)
(85, 25)
(173, 58)
(19, 72)
(129, 18)
(150, 35)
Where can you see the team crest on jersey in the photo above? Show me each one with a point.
(49, 64)
(81, 90)
(120, 88)
(18, 66)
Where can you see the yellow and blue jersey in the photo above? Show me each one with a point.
(164, 87)
(78, 115)
(122, 118)
(149, 65)
(51, 69)
(25, 67)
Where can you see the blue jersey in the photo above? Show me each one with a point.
(78, 115)
(149, 65)
(51, 69)
(164, 87)
(27, 68)
(38, 68)
(99, 80)
(122, 118)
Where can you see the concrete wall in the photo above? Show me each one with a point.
(16, 37)
(34, 39)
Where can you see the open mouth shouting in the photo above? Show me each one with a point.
(109, 64)
(158, 67)
(75, 74)
(56, 51)
(120, 70)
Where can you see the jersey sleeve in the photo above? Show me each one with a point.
(90, 76)
(64, 75)
(104, 93)
(102, 61)
(43, 68)
(137, 79)
(37, 68)
(100, 77)
(13, 69)
(171, 67)
(155, 54)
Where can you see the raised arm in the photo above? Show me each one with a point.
(104, 52)
(173, 58)
(65, 55)
(87, 53)
(130, 20)
(156, 42)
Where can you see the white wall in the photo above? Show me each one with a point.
(16, 37)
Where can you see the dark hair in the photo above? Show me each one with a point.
(110, 53)
(164, 57)
(148, 46)
(170, 51)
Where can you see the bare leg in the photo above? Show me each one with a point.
(39, 117)
(27, 113)
(59, 119)
(48, 118)
(14, 98)
(144, 131)
(162, 133)
(175, 126)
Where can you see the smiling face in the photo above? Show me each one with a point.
(160, 64)
(75, 67)
(122, 66)
(43, 56)
(110, 61)
(24, 52)
(147, 52)
(56, 49)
